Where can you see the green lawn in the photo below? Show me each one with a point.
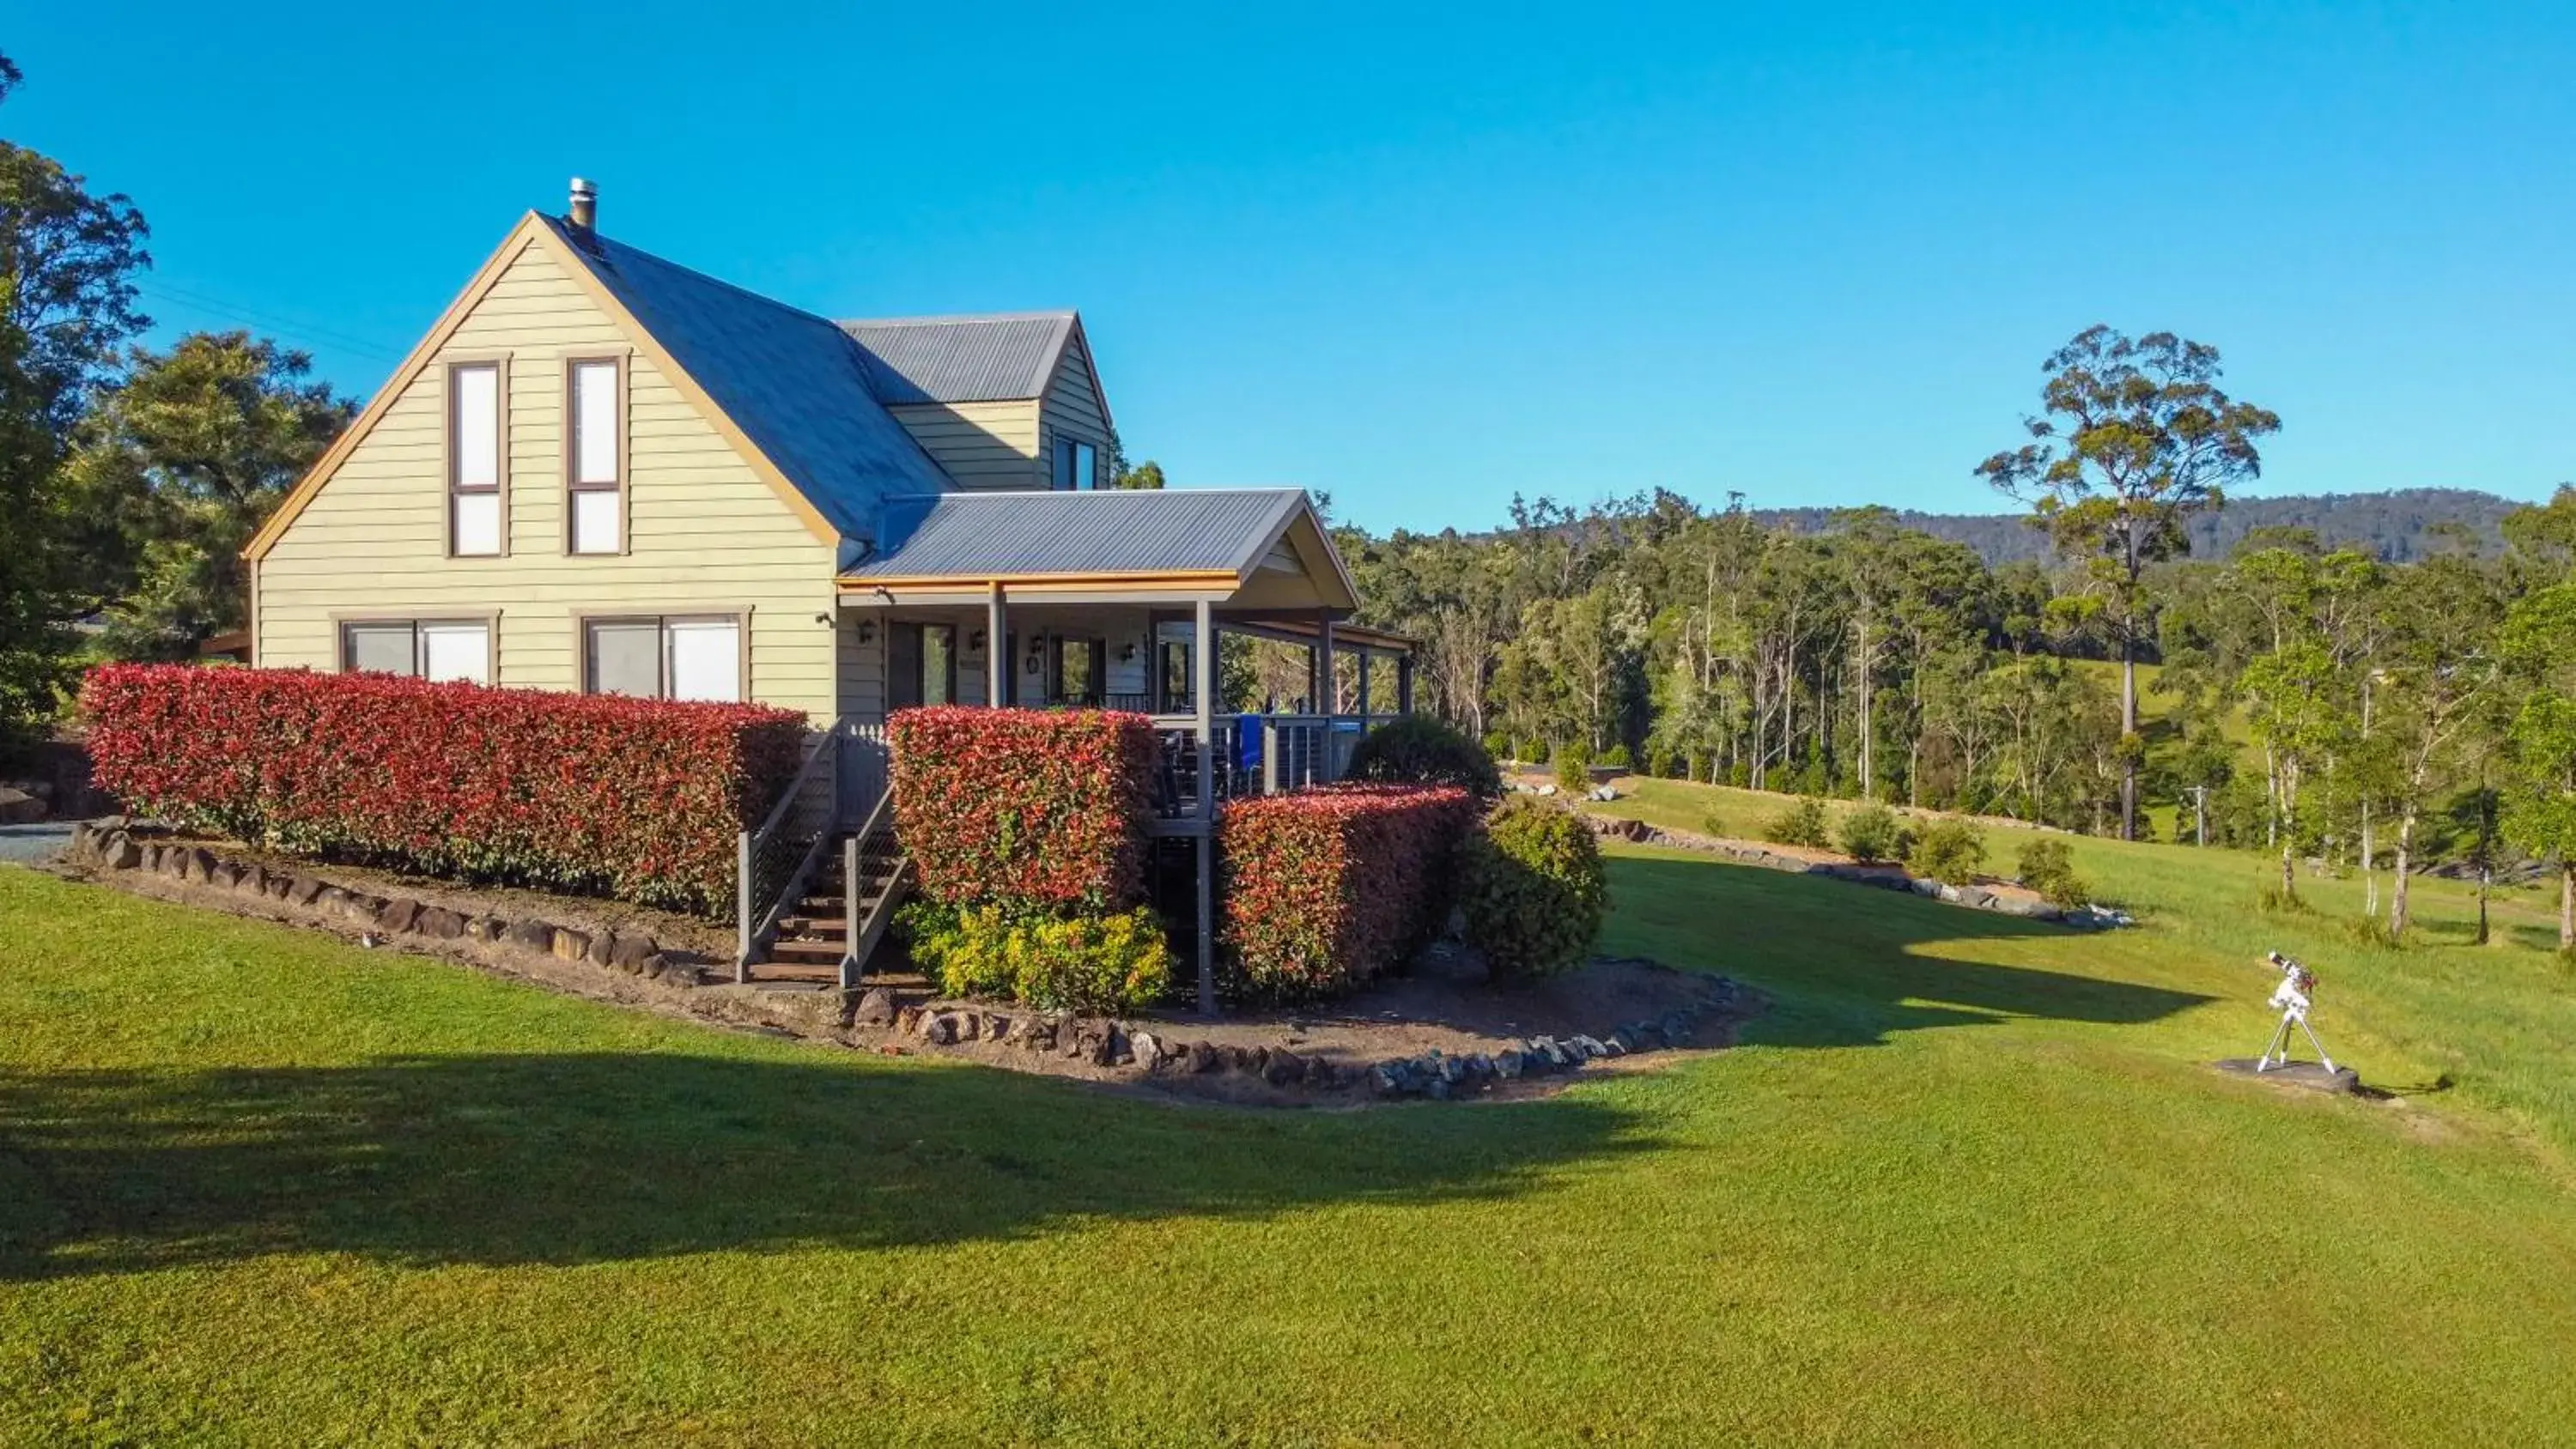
(1970, 1182)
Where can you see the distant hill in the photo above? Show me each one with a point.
(2398, 526)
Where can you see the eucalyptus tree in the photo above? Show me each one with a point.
(2289, 694)
(2134, 437)
(2438, 662)
(2538, 641)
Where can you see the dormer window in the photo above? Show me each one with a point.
(1077, 465)
(595, 455)
(474, 459)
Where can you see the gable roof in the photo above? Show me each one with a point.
(991, 357)
(787, 388)
(794, 383)
(983, 536)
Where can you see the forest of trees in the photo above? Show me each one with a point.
(2314, 701)
(2399, 526)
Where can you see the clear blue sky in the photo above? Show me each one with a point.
(1426, 261)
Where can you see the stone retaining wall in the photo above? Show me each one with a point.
(116, 844)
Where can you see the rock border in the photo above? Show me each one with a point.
(1885, 877)
(1165, 1049)
(118, 844)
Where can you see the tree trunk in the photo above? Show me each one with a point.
(2369, 857)
(2369, 866)
(2567, 906)
(2486, 880)
(2128, 732)
(2397, 884)
(1860, 669)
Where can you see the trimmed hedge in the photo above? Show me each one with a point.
(638, 799)
(1326, 888)
(1531, 888)
(1026, 809)
(1420, 749)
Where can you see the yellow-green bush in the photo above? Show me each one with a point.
(1078, 963)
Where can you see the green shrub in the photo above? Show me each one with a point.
(1949, 851)
(1076, 963)
(1873, 832)
(1499, 746)
(1531, 888)
(1617, 758)
(1573, 768)
(1801, 824)
(1714, 823)
(2048, 867)
(1740, 775)
(1664, 765)
(1419, 749)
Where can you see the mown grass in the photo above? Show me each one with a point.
(1970, 1181)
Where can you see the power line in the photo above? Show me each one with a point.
(287, 328)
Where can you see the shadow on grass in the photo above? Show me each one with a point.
(1844, 961)
(587, 1158)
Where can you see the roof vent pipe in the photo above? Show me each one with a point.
(585, 205)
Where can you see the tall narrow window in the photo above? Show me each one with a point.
(1080, 665)
(921, 665)
(596, 456)
(474, 459)
(1077, 465)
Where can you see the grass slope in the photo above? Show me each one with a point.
(1969, 1182)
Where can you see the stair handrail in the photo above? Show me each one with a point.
(756, 918)
(859, 935)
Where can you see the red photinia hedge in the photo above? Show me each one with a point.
(1326, 888)
(640, 799)
(1040, 809)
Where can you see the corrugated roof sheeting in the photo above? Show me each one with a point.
(998, 358)
(793, 382)
(987, 535)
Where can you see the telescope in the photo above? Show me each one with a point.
(2293, 998)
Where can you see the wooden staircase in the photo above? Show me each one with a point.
(814, 936)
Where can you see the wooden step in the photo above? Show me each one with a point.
(829, 903)
(808, 951)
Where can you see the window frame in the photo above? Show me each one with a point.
(452, 452)
(1059, 647)
(1064, 458)
(908, 687)
(489, 622)
(573, 484)
(583, 621)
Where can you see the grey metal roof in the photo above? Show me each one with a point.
(793, 382)
(999, 357)
(994, 534)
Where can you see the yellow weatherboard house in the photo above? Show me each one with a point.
(602, 471)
